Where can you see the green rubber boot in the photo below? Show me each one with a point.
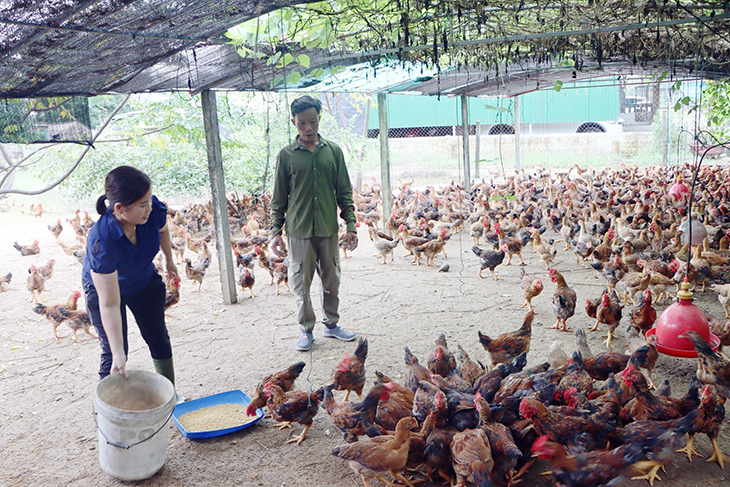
(167, 369)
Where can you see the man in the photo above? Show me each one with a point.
(311, 181)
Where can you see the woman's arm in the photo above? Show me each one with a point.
(166, 247)
(110, 299)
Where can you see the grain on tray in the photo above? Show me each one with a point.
(218, 417)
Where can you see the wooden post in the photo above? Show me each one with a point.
(465, 140)
(518, 166)
(218, 195)
(384, 155)
(477, 148)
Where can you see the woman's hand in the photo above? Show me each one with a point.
(119, 363)
(171, 269)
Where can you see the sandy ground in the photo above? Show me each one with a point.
(48, 433)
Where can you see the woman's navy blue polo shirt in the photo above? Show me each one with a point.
(109, 250)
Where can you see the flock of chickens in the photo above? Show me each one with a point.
(593, 416)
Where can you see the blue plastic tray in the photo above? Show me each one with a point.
(232, 397)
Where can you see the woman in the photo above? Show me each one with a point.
(118, 270)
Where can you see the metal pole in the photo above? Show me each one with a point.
(465, 140)
(477, 148)
(518, 165)
(218, 196)
(384, 155)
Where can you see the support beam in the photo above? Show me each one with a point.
(218, 196)
(477, 148)
(384, 155)
(465, 140)
(518, 165)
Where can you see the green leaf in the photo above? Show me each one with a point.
(288, 58)
(677, 106)
(303, 59)
(558, 86)
(276, 81)
(293, 78)
(317, 73)
(273, 59)
(662, 76)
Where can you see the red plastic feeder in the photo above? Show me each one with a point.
(678, 318)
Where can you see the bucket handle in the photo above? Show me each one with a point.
(127, 447)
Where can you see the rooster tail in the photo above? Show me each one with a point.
(296, 369)
(361, 351)
(441, 341)
(477, 251)
(693, 393)
(484, 340)
(15, 244)
(39, 308)
(684, 424)
(410, 359)
(597, 265)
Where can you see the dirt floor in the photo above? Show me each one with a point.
(48, 434)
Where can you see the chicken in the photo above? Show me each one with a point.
(601, 366)
(468, 370)
(608, 312)
(26, 250)
(5, 281)
(476, 230)
(355, 419)
(612, 271)
(509, 345)
(488, 259)
(661, 439)
(442, 361)
(37, 209)
(371, 459)
(510, 246)
(591, 468)
(36, 283)
(545, 251)
(70, 248)
(195, 244)
(556, 355)
(292, 407)
(281, 274)
(437, 454)
(430, 399)
(644, 405)
(58, 313)
(284, 379)
(245, 260)
(719, 328)
(581, 344)
(268, 263)
(471, 458)
(431, 248)
(711, 367)
(349, 375)
(562, 428)
(56, 229)
(47, 270)
(723, 295)
(79, 320)
(411, 243)
(643, 315)
(398, 404)
(603, 251)
(645, 358)
(178, 248)
(634, 282)
(710, 415)
(246, 279)
(172, 293)
(531, 287)
(383, 246)
(196, 272)
(582, 250)
(564, 300)
(505, 451)
(416, 371)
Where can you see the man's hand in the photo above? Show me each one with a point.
(351, 240)
(277, 246)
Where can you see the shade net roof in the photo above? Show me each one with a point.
(51, 48)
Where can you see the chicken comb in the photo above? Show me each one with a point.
(629, 368)
(540, 443)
